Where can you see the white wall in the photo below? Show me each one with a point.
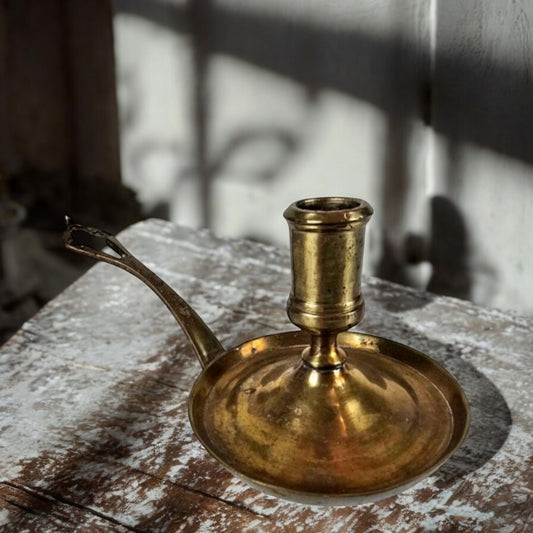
(483, 115)
(231, 110)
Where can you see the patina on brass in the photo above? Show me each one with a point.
(322, 415)
(327, 241)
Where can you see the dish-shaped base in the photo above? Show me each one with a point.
(389, 417)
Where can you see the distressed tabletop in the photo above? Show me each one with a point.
(94, 434)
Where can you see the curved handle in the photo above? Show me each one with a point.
(204, 342)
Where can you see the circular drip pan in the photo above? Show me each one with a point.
(388, 418)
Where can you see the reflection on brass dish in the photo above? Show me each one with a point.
(322, 415)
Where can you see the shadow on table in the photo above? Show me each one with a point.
(142, 437)
(491, 418)
(490, 415)
(490, 423)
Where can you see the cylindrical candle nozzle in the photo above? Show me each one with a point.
(327, 240)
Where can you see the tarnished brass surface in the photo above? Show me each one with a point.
(320, 416)
(387, 418)
(327, 238)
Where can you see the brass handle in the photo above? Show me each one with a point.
(204, 342)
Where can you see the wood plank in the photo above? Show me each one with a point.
(91, 71)
(483, 108)
(37, 94)
(58, 94)
(94, 401)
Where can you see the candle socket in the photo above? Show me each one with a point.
(327, 238)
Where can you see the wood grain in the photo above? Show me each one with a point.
(93, 394)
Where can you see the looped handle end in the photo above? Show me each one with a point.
(85, 249)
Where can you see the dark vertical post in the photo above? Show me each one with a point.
(200, 18)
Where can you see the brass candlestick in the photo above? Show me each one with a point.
(322, 415)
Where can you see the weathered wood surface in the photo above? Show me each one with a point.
(94, 433)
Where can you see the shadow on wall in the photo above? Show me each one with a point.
(360, 65)
(446, 251)
(393, 74)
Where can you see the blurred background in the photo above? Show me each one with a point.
(221, 113)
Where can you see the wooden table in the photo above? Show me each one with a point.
(94, 434)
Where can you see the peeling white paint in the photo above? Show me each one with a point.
(97, 397)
